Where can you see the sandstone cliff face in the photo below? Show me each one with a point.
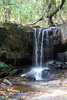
(15, 44)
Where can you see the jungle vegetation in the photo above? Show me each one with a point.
(31, 12)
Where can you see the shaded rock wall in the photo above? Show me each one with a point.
(61, 49)
(54, 39)
(16, 44)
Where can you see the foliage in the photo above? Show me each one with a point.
(4, 66)
(27, 11)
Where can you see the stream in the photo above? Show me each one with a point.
(52, 89)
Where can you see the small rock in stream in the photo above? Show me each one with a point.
(6, 83)
(30, 78)
(27, 77)
(3, 84)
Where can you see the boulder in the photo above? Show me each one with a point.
(27, 77)
(46, 74)
(54, 34)
(56, 37)
(30, 78)
(7, 82)
(54, 64)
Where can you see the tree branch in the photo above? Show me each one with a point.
(50, 15)
(56, 10)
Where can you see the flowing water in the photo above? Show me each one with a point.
(38, 47)
(39, 54)
(43, 51)
(42, 39)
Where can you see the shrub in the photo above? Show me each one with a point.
(4, 66)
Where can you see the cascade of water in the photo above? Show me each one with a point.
(39, 44)
(38, 47)
(41, 56)
(39, 37)
(43, 47)
(37, 72)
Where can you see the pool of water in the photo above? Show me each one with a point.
(53, 89)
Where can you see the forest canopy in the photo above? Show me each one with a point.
(28, 11)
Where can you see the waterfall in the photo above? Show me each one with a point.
(44, 40)
(41, 56)
(38, 47)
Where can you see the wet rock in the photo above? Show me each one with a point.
(16, 72)
(23, 75)
(3, 74)
(3, 84)
(64, 66)
(56, 35)
(47, 75)
(55, 64)
(65, 62)
(7, 82)
(27, 77)
(66, 55)
(61, 56)
(30, 78)
(60, 64)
